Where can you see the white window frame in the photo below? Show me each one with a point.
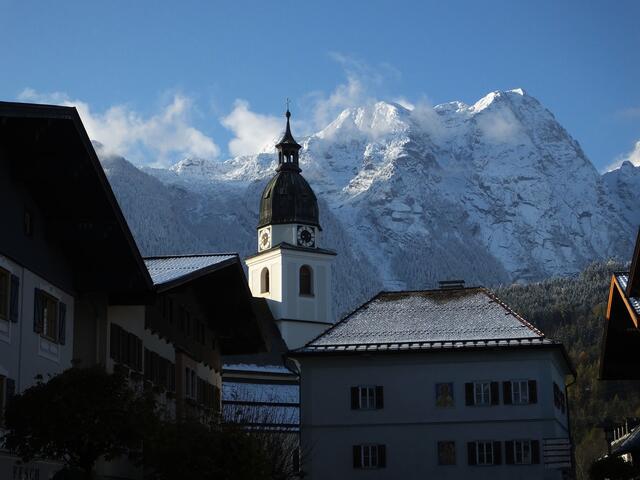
(484, 451)
(482, 393)
(370, 457)
(367, 397)
(519, 392)
(522, 452)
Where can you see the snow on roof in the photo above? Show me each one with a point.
(260, 392)
(448, 318)
(253, 367)
(623, 279)
(169, 268)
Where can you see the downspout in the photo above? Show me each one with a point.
(573, 449)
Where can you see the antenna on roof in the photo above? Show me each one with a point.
(451, 284)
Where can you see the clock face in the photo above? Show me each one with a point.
(264, 239)
(306, 236)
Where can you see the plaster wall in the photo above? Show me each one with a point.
(410, 424)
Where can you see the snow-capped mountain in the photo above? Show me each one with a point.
(492, 192)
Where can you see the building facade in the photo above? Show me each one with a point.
(75, 291)
(447, 384)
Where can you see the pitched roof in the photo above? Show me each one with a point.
(49, 154)
(430, 319)
(623, 279)
(174, 269)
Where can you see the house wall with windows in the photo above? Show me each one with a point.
(427, 415)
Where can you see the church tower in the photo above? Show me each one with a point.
(290, 269)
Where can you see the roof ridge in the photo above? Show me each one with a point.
(192, 255)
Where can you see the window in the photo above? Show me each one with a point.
(49, 317)
(444, 394)
(520, 392)
(264, 280)
(558, 398)
(367, 397)
(447, 453)
(369, 456)
(306, 280)
(125, 348)
(7, 391)
(5, 279)
(522, 452)
(483, 452)
(190, 383)
(482, 393)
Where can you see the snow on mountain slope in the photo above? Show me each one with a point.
(623, 185)
(492, 192)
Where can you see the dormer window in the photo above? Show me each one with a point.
(306, 280)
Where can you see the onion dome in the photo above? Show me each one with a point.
(288, 198)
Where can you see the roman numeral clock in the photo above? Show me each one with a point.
(306, 236)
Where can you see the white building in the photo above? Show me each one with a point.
(447, 384)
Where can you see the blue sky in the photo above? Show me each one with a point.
(159, 80)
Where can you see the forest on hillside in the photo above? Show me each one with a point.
(572, 310)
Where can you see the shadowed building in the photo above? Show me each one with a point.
(620, 346)
(74, 289)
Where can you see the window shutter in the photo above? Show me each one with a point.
(506, 392)
(468, 393)
(535, 451)
(471, 453)
(62, 323)
(147, 364)
(508, 452)
(10, 390)
(495, 393)
(497, 453)
(533, 391)
(382, 456)
(355, 401)
(113, 341)
(357, 456)
(379, 397)
(216, 398)
(13, 301)
(38, 311)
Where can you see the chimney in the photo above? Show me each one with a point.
(451, 284)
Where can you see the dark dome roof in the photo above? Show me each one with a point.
(288, 198)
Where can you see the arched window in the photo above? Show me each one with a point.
(264, 280)
(306, 280)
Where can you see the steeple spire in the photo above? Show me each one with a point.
(288, 148)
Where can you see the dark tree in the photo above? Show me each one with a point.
(77, 417)
(198, 452)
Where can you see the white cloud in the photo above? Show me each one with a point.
(253, 132)
(403, 102)
(159, 139)
(633, 156)
(362, 82)
(424, 115)
(499, 126)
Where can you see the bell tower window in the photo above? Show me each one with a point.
(306, 280)
(264, 280)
